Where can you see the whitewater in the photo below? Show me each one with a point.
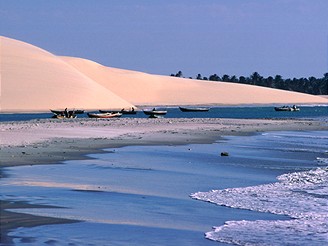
(301, 195)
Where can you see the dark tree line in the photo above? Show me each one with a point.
(311, 85)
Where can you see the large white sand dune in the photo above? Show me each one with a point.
(146, 89)
(33, 79)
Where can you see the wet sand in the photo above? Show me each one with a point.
(53, 141)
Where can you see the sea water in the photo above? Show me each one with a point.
(271, 190)
(303, 196)
(238, 112)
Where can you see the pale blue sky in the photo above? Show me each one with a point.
(235, 37)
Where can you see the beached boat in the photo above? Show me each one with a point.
(155, 116)
(78, 111)
(61, 116)
(287, 108)
(194, 109)
(104, 115)
(123, 111)
(155, 112)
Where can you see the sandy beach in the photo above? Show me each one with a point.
(51, 141)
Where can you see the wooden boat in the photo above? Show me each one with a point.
(194, 109)
(61, 116)
(155, 112)
(78, 111)
(104, 115)
(123, 111)
(287, 108)
(155, 116)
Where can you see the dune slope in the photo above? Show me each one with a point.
(33, 79)
(146, 89)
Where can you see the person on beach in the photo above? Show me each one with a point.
(66, 113)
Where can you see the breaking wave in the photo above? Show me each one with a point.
(303, 196)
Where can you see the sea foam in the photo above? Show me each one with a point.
(303, 196)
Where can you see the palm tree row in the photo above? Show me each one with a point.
(311, 85)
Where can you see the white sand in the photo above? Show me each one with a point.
(33, 79)
(47, 141)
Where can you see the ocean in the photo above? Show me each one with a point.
(301, 193)
(271, 190)
(236, 112)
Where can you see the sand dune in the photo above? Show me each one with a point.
(33, 79)
(146, 89)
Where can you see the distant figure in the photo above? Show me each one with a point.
(294, 106)
(66, 113)
(71, 114)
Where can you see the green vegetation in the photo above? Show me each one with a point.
(311, 85)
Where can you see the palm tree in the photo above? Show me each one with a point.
(242, 80)
(325, 81)
(199, 76)
(179, 74)
(214, 77)
(256, 78)
(226, 78)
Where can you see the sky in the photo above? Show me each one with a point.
(234, 37)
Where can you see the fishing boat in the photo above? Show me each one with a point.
(61, 116)
(287, 108)
(155, 112)
(77, 111)
(122, 111)
(104, 115)
(155, 116)
(194, 109)
(64, 114)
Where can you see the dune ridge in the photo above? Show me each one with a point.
(33, 79)
(147, 89)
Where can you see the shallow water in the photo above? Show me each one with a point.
(141, 194)
(300, 195)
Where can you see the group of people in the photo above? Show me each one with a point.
(69, 114)
(64, 114)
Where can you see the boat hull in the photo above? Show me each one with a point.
(155, 112)
(104, 115)
(286, 109)
(187, 109)
(115, 111)
(79, 111)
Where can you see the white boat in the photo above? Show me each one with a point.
(104, 115)
(155, 112)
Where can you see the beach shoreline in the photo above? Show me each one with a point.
(52, 141)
